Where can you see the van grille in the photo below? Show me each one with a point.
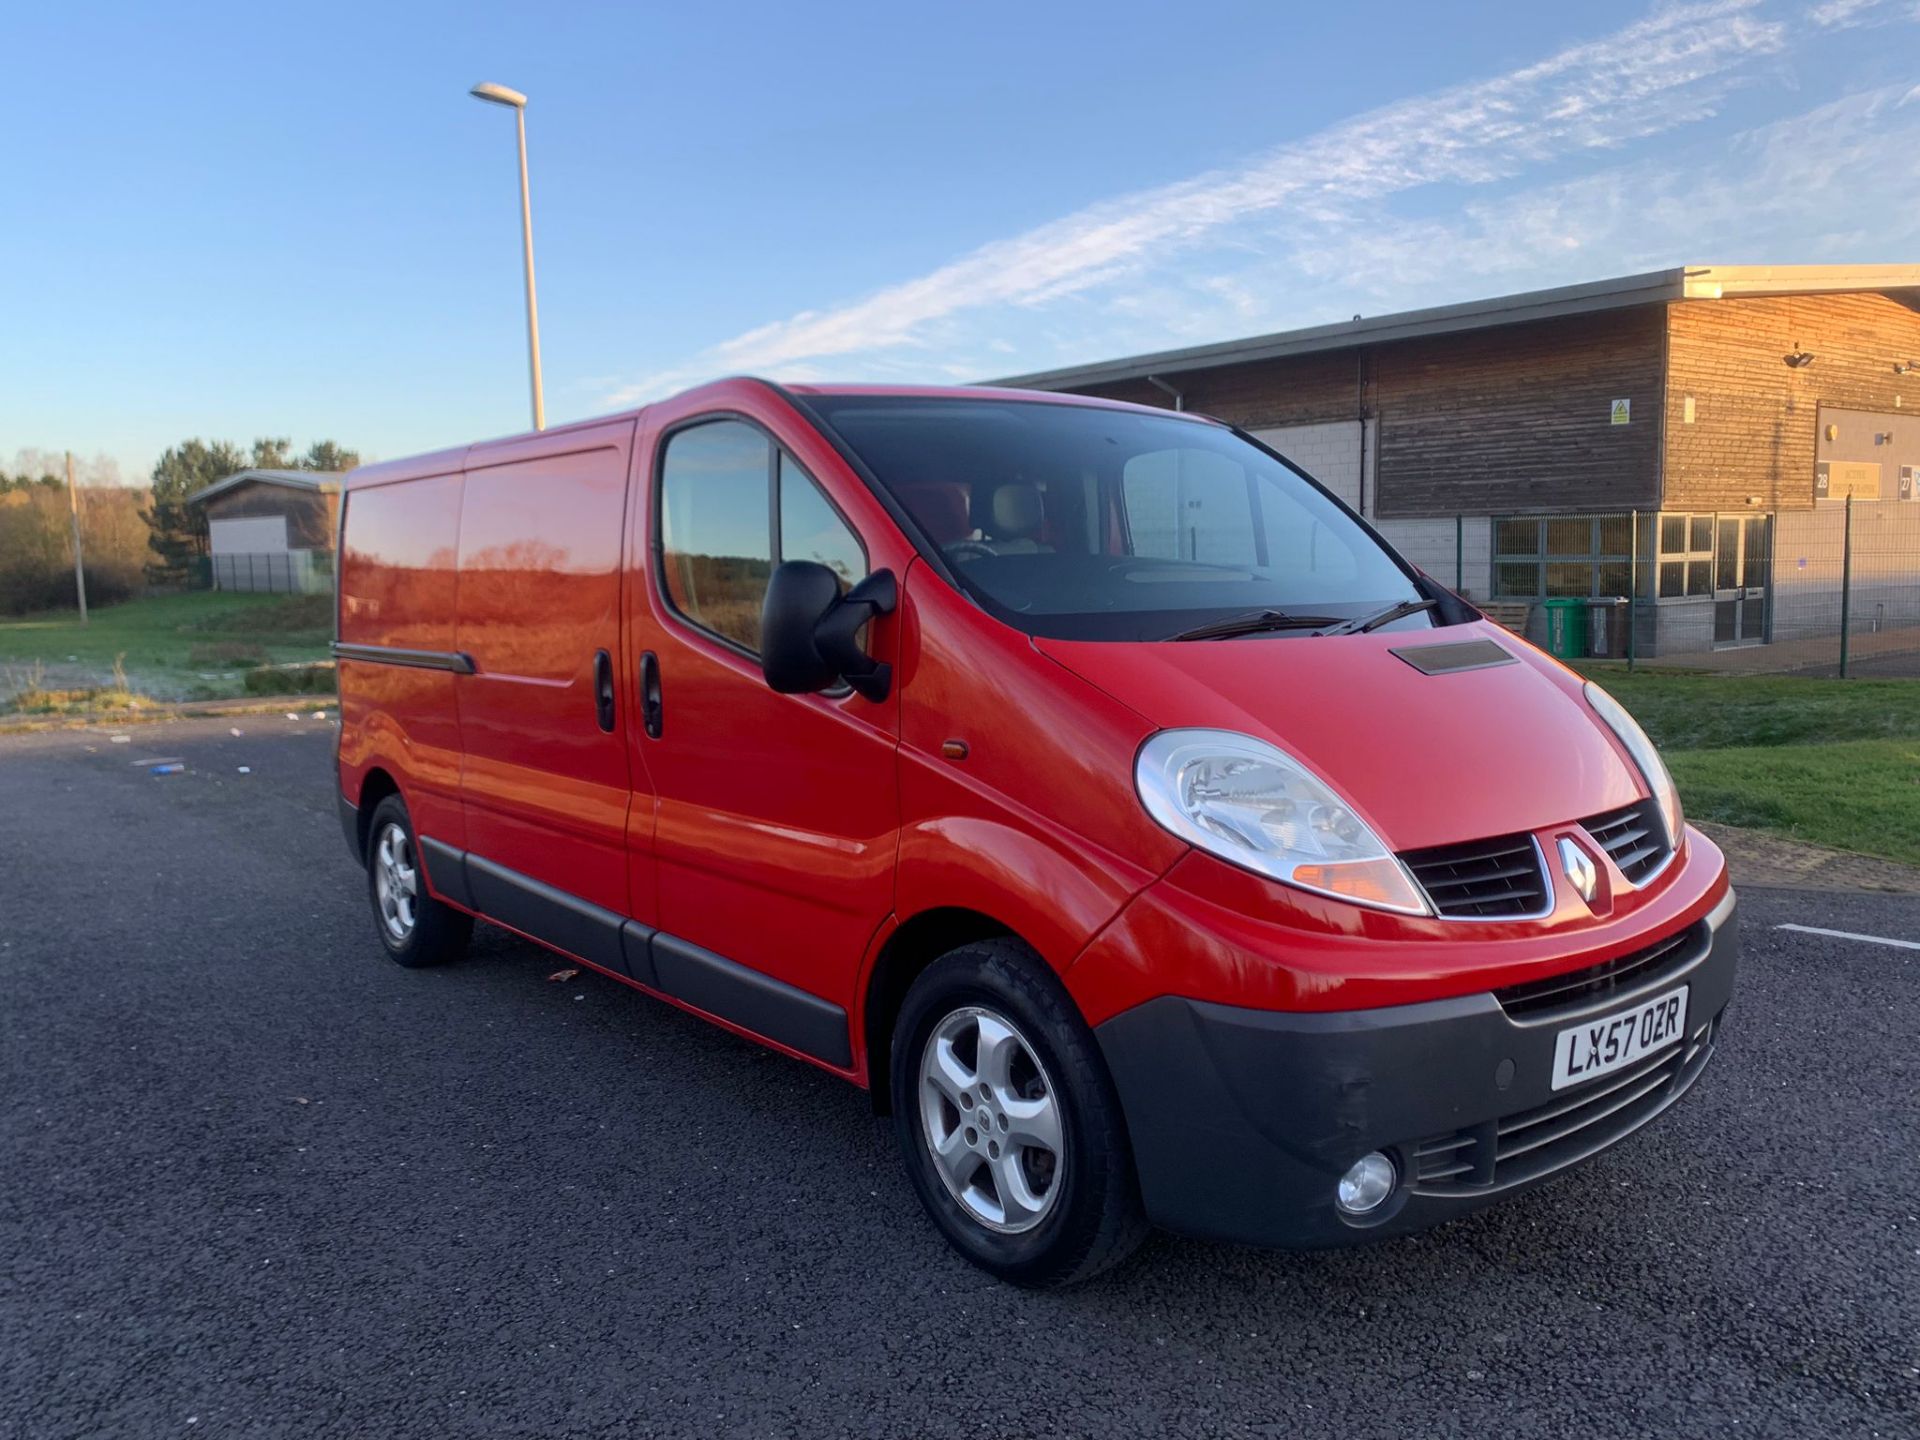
(1565, 1130)
(1579, 989)
(1483, 879)
(1634, 837)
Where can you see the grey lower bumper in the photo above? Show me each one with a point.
(1242, 1121)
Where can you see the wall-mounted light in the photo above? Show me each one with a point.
(1905, 367)
(1833, 431)
(1799, 359)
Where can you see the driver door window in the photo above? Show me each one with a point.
(722, 483)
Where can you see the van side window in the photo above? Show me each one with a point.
(811, 529)
(718, 539)
(715, 536)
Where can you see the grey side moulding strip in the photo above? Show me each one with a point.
(751, 1000)
(456, 661)
(547, 913)
(676, 967)
(447, 869)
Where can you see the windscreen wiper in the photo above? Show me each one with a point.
(1360, 624)
(1253, 623)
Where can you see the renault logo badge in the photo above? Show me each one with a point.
(1578, 868)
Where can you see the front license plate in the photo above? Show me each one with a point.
(1599, 1047)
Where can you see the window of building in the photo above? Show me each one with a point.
(1536, 556)
(722, 485)
(1687, 556)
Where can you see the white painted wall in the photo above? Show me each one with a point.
(1807, 550)
(1330, 452)
(254, 535)
(1433, 545)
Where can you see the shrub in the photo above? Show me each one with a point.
(315, 679)
(290, 614)
(36, 546)
(228, 654)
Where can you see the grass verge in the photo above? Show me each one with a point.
(1833, 762)
(198, 645)
(1861, 795)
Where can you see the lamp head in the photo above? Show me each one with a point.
(499, 95)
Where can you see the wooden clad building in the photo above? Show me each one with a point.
(1504, 444)
(272, 529)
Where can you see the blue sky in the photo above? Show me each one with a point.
(254, 219)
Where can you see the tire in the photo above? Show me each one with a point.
(1034, 1203)
(415, 928)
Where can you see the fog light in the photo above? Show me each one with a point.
(1366, 1185)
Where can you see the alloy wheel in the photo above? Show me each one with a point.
(396, 881)
(991, 1121)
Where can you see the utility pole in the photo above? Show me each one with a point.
(79, 569)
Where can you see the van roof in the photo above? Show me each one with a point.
(559, 439)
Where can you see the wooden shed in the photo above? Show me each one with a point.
(272, 529)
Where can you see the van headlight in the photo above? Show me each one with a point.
(1257, 807)
(1652, 768)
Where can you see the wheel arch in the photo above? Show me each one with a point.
(909, 949)
(376, 785)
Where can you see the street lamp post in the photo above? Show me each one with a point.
(501, 95)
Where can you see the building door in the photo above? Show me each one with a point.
(1742, 579)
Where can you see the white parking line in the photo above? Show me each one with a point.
(1849, 935)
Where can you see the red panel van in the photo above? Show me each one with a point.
(1084, 780)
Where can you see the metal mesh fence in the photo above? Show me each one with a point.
(285, 572)
(1834, 590)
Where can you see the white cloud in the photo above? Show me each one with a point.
(1665, 71)
(1846, 14)
(1794, 182)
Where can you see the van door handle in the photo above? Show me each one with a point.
(603, 689)
(650, 703)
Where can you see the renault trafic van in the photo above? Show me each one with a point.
(1083, 780)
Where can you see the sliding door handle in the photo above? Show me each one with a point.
(603, 689)
(651, 706)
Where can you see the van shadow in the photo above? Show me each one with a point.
(776, 1145)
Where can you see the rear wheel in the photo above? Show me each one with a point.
(1008, 1122)
(416, 928)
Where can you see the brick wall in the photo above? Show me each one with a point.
(1329, 451)
(1457, 555)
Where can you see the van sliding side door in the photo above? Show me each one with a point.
(546, 787)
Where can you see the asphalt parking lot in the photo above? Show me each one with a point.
(259, 1181)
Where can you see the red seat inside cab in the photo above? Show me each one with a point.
(942, 508)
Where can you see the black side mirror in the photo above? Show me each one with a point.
(809, 630)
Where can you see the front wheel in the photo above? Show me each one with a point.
(416, 928)
(1008, 1121)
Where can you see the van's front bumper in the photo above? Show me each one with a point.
(1243, 1121)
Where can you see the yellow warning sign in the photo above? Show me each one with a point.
(1623, 412)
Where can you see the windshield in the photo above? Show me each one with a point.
(1082, 522)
